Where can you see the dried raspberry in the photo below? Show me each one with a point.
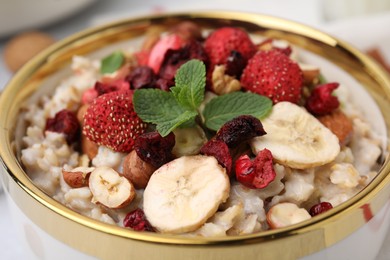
(173, 59)
(117, 85)
(256, 174)
(154, 149)
(220, 151)
(64, 121)
(321, 101)
(142, 77)
(239, 130)
(137, 221)
(235, 64)
(111, 121)
(320, 208)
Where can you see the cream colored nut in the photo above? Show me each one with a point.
(23, 47)
(223, 83)
(137, 170)
(110, 189)
(310, 72)
(77, 177)
(285, 214)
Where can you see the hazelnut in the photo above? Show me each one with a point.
(137, 170)
(23, 47)
(188, 30)
(339, 124)
(77, 177)
(88, 147)
(81, 112)
(310, 73)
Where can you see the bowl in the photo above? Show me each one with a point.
(354, 229)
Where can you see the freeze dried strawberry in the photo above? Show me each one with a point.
(142, 57)
(137, 221)
(220, 151)
(89, 95)
(111, 121)
(321, 101)
(175, 58)
(239, 130)
(142, 77)
(117, 85)
(320, 208)
(64, 121)
(220, 44)
(154, 149)
(157, 54)
(256, 174)
(273, 74)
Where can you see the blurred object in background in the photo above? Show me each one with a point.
(342, 9)
(18, 15)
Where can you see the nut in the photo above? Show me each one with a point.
(188, 30)
(110, 189)
(310, 72)
(285, 214)
(23, 47)
(339, 124)
(81, 112)
(137, 170)
(88, 147)
(77, 177)
(223, 83)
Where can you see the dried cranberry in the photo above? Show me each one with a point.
(320, 208)
(164, 84)
(136, 220)
(64, 121)
(173, 59)
(235, 64)
(240, 129)
(154, 149)
(321, 101)
(142, 77)
(118, 85)
(220, 151)
(256, 174)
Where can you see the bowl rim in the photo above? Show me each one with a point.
(374, 195)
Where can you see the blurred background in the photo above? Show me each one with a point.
(26, 27)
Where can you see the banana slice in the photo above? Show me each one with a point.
(110, 189)
(182, 194)
(188, 141)
(296, 138)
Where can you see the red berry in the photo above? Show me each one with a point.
(256, 174)
(117, 85)
(154, 149)
(142, 77)
(137, 221)
(273, 74)
(320, 208)
(220, 151)
(64, 121)
(321, 101)
(239, 130)
(221, 42)
(111, 121)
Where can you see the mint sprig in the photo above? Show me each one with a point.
(179, 106)
(112, 62)
(226, 107)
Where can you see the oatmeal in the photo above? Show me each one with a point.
(211, 134)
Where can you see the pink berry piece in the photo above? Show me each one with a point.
(320, 208)
(64, 121)
(321, 101)
(137, 221)
(154, 149)
(256, 174)
(220, 151)
(239, 130)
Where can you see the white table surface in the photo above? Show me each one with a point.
(363, 32)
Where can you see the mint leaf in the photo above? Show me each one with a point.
(226, 107)
(190, 81)
(160, 108)
(112, 62)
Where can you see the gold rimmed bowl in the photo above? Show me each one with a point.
(355, 228)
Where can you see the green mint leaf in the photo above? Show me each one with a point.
(226, 107)
(190, 82)
(112, 62)
(160, 108)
